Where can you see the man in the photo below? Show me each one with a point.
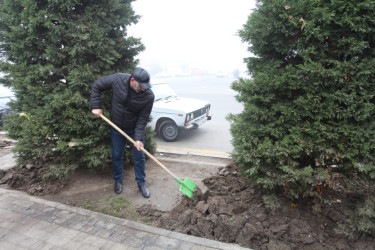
(131, 105)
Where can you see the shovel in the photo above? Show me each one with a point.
(187, 186)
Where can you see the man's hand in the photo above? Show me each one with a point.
(138, 145)
(97, 112)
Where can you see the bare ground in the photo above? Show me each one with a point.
(226, 207)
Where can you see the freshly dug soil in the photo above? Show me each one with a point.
(29, 179)
(232, 210)
(229, 210)
(5, 145)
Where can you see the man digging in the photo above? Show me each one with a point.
(131, 105)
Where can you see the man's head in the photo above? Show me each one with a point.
(140, 80)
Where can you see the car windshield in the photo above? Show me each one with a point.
(163, 91)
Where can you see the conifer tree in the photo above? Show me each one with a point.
(308, 120)
(52, 51)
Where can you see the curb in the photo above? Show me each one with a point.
(185, 152)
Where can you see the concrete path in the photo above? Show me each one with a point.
(29, 222)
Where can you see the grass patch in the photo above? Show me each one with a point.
(115, 206)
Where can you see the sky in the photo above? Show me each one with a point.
(192, 34)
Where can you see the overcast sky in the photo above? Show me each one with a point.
(192, 33)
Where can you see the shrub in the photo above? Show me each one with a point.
(308, 119)
(53, 51)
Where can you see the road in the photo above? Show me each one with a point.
(214, 136)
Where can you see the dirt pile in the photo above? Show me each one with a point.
(29, 178)
(5, 143)
(231, 210)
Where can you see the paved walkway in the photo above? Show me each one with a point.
(28, 222)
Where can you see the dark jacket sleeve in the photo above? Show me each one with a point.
(100, 85)
(143, 118)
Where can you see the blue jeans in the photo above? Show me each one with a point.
(118, 147)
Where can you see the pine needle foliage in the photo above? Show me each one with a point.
(52, 51)
(309, 107)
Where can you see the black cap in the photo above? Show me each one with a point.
(142, 77)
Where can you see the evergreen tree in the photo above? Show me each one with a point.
(53, 50)
(308, 120)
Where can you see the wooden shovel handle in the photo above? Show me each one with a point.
(132, 141)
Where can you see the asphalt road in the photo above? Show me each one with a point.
(214, 136)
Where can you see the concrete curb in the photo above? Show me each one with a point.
(182, 152)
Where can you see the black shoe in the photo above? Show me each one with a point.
(118, 187)
(145, 192)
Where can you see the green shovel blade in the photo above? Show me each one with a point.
(187, 187)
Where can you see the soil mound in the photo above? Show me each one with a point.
(232, 211)
(5, 143)
(30, 179)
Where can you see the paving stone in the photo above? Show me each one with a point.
(21, 240)
(7, 199)
(13, 216)
(187, 246)
(29, 221)
(91, 230)
(104, 225)
(49, 227)
(89, 247)
(21, 228)
(36, 233)
(167, 242)
(104, 234)
(156, 248)
(66, 232)
(76, 223)
(7, 223)
(118, 237)
(39, 245)
(58, 239)
(28, 242)
(73, 244)
(3, 232)
(15, 226)
(93, 240)
(102, 242)
(80, 236)
(134, 242)
(118, 246)
(108, 244)
(43, 225)
(49, 246)
(7, 245)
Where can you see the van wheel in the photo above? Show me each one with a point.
(168, 131)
